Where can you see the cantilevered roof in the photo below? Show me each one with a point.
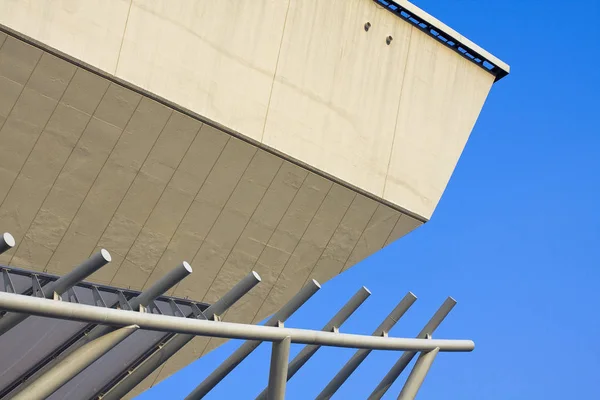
(156, 186)
(244, 154)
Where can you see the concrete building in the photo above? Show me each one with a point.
(290, 137)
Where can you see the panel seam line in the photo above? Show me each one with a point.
(387, 172)
(123, 37)
(262, 135)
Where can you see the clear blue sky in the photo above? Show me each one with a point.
(515, 239)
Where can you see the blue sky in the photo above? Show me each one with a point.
(515, 238)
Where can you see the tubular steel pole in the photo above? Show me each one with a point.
(165, 283)
(143, 299)
(60, 286)
(82, 271)
(435, 321)
(227, 330)
(173, 277)
(417, 375)
(67, 369)
(7, 242)
(280, 355)
(232, 296)
(308, 351)
(361, 354)
(177, 342)
(248, 347)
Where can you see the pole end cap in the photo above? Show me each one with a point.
(187, 266)
(8, 239)
(106, 255)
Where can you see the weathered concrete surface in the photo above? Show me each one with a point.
(86, 163)
(311, 83)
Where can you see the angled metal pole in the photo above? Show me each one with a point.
(360, 355)
(435, 321)
(64, 371)
(172, 278)
(280, 355)
(249, 346)
(143, 299)
(82, 271)
(177, 342)
(308, 351)
(233, 295)
(60, 286)
(165, 283)
(7, 242)
(417, 375)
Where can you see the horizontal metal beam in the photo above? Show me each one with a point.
(228, 330)
(248, 347)
(67, 369)
(177, 342)
(394, 372)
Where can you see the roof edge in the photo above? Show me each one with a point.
(447, 36)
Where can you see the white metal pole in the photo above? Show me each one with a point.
(177, 342)
(417, 375)
(61, 285)
(308, 351)
(435, 321)
(166, 323)
(76, 362)
(361, 354)
(248, 347)
(280, 354)
(115, 317)
(143, 299)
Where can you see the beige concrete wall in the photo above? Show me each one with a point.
(90, 30)
(311, 83)
(442, 95)
(86, 163)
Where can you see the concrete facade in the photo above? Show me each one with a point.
(170, 131)
(393, 122)
(86, 163)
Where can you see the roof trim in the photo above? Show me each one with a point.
(446, 36)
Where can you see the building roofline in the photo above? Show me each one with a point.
(447, 36)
